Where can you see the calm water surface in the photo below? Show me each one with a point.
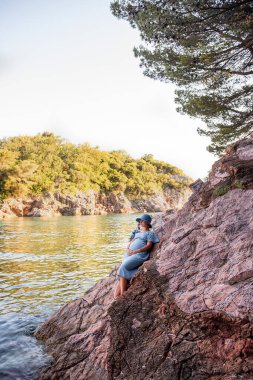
(45, 263)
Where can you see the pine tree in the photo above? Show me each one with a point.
(206, 48)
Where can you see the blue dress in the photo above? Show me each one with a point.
(133, 233)
(131, 263)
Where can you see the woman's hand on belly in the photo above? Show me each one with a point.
(142, 249)
(132, 252)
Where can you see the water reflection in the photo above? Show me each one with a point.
(45, 262)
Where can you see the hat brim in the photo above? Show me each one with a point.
(139, 219)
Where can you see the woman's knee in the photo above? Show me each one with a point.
(132, 265)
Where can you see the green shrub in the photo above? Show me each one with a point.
(221, 190)
(239, 185)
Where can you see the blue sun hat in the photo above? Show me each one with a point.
(146, 217)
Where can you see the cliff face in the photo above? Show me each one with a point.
(188, 313)
(91, 203)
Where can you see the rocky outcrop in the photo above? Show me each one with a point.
(188, 313)
(91, 203)
(232, 171)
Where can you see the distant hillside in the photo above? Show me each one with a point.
(34, 165)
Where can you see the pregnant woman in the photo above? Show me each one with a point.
(137, 252)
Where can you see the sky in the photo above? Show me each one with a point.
(67, 67)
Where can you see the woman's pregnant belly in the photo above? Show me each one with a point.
(137, 244)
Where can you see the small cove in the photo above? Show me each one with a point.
(46, 262)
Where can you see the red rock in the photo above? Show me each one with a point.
(188, 313)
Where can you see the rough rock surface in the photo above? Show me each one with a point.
(91, 203)
(188, 313)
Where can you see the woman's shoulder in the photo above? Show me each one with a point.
(152, 236)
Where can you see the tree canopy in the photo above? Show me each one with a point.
(205, 47)
(33, 165)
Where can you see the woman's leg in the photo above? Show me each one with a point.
(123, 283)
(127, 269)
(116, 291)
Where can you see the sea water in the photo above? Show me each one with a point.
(44, 263)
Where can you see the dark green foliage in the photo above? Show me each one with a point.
(221, 190)
(46, 163)
(239, 185)
(206, 48)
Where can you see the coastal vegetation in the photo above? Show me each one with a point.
(206, 49)
(34, 165)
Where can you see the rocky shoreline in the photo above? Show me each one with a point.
(91, 203)
(188, 313)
